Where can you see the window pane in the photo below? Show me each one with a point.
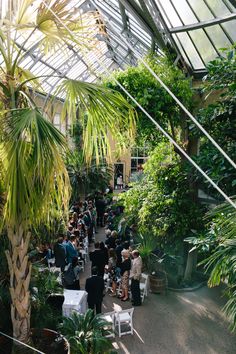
(203, 44)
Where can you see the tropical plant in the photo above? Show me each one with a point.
(219, 119)
(44, 284)
(222, 262)
(86, 333)
(86, 179)
(161, 203)
(146, 244)
(35, 177)
(141, 84)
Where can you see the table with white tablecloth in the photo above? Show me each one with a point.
(75, 300)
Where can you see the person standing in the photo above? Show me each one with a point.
(119, 182)
(71, 250)
(135, 275)
(60, 254)
(95, 288)
(97, 258)
(124, 271)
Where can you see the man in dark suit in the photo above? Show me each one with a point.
(98, 260)
(60, 254)
(95, 287)
(71, 250)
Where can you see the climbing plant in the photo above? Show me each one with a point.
(140, 83)
(219, 119)
(161, 203)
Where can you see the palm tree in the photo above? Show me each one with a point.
(87, 333)
(222, 261)
(31, 147)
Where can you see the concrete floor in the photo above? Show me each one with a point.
(176, 323)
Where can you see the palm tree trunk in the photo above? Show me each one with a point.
(20, 273)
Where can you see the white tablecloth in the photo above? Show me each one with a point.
(75, 300)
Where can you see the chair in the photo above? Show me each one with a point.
(124, 318)
(144, 286)
(110, 318)
(81, 264)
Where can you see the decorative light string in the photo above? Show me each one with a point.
(154, 122)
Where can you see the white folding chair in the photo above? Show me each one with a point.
(110, 318)
(51, 262)
(124, 319)
(144, 286)
(81, 264)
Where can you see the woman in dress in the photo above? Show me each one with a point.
(125, 270)
(112, 269)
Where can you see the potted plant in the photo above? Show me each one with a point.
(86, 333)
(152, 262)
(46, 313)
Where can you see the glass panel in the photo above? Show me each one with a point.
(230, 29)
(170, 12)
(192, 53)
(201, 10)
(218, 36)
(203, 44)
(218, 7)
(181, 50)
(185, 12)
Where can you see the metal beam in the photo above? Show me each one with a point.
(147, 21)
(203, 24)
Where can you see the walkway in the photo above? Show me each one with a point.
(179, 323)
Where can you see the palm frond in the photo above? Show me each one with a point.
(35, 171)
(222, 262)
(101, 111)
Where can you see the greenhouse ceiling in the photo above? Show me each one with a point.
(193, 30)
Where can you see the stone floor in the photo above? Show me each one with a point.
(176, 323)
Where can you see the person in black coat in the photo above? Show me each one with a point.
(98, 260)
(95, 287)
(60, 254)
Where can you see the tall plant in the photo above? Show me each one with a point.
(35, 176)
(222, 262)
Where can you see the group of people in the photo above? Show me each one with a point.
(114, 261)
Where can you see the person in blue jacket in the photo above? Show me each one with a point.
(71, 249)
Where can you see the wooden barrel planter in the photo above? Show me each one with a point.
(158, 283)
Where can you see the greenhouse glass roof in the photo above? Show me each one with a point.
(194, 30)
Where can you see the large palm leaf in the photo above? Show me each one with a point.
(222, 262)
(101, 111)
(35, 172)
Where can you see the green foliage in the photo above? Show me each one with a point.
(39, 179)
(146, 244)
(44, 284)
(86, 333)
(140, 83)
(222, 261)
(86, 179)
(219, 119)
(162, 203)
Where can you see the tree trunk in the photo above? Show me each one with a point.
(20, 273)
(191, 264)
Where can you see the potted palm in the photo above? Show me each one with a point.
(32, 149)
(86, 333)
(152, 262)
